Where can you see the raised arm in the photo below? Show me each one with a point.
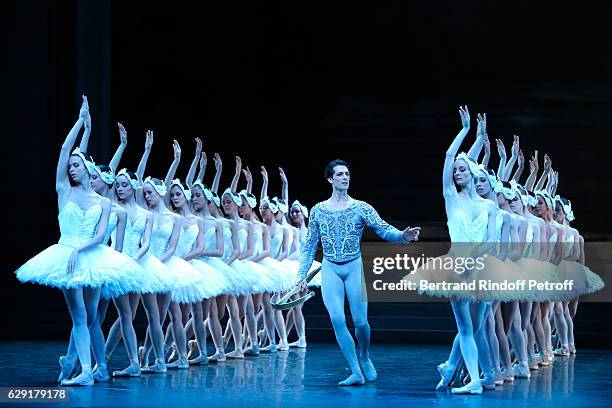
(194, 163)
(533, 172)
(114, 163)
(84, 145)
(513, 158)
(142, 166)
(219, 169)
(481, 130)
(203, 162)
(249, 179)
(519, 169)
(175, 163)
(285, 183)
(264, 185)
(448, 185)
(487, 153)
(502, 158)
(237, 173)
(544, 176)
(309, 250)
(62, 184)
(553, 180)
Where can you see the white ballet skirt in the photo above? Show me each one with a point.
(96, 267)
(466, 235)
(184, 280)
(212, 282)
(210, 244)
(259, 278)
(289, 276)
(240, 272)
(274, 269)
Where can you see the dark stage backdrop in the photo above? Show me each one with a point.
(296, 85)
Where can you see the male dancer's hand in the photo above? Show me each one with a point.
(412, 233)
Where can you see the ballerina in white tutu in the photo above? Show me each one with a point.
(79, 264)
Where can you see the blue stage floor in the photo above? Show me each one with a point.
(407, 376)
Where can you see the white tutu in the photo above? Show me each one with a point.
(234, 284)
(276, 271)
(260, 279)
(158, 276)
(316, 280)
(214, 283)
(96, 267)
(189, 282)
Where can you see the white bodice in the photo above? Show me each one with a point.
(160, 238)
(187, 240)
(77, 226)
(133, 235)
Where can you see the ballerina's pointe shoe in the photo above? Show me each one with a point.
(199, 360)
(299, 343)
(158, 368)
(101, 374)
(447, 372)
(218, 357)
(521, 370)
(473, 388)
(67, 365)
(572, 349)
(235, 354)
(131, 371)
(283, 346)
(179, 363)
(194, 349)
(353, 379)
(562, 351)
(86, 378)
(251, 351)
(270, 348)
(369, 372)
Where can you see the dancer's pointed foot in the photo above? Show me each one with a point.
(270, 348)
(199, 360)
(67, 365)
(101, 374)
(194, 349)
(369, 372)
(562, 351)
(283, 346)
(158, 368)
(86, 378)
(521, 370)
(174, 354)
(261, 335)
(142, 360)
(473, 388)
(179, 363)
(508, 374)
(132, 371)
(218, 357)
(353, 379)
(301, 343)
(235, 354)
(447, 372)
(251, 351)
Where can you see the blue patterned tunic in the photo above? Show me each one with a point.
(340, 233)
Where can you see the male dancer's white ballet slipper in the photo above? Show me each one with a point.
(473, 388)
(194, 349)
(353, 379)
(369, 372)
(252, 351)
(199, 360)
(270, 348)
(521, 370)
(101, 374)
(132, 371)
(84, 379)
(299, 343)
(158, 368)
(67, 368)
(218, 357)
(179, 363)
(235, 354)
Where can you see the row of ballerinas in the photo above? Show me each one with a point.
(526, 227)
(175, 246)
